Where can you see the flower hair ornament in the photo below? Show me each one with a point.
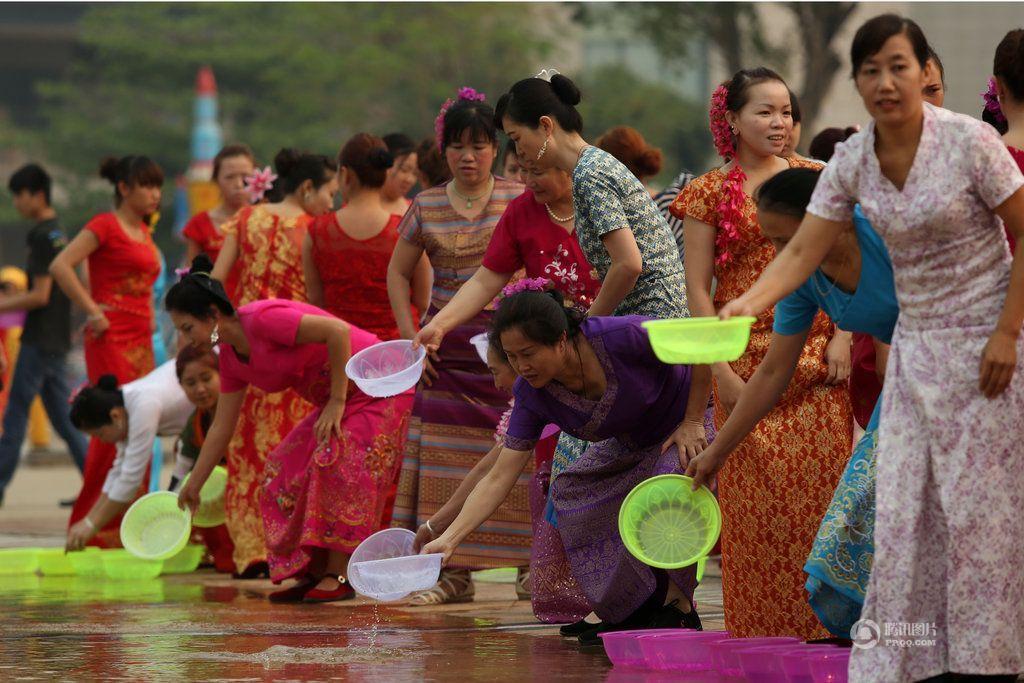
(992, 104)
(730, 209)
(721, 133)
(535, 284)
(258, 183)
(465, 93)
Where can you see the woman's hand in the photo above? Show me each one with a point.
(329, 422)
(97, 324)
(689, 439)
(737, 308)
(837, 356)
(429, 373)
(705, 467)
(424, 535)
(430, 336)
(730, 386)
(188, 496)
(442, 544)
(80, 533)
(998, 362)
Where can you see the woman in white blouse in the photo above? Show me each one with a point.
(132, 417)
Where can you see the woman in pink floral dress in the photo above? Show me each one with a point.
(937, 186)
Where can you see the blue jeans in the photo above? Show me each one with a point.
(43, 374)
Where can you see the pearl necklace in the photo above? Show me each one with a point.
(558, 218)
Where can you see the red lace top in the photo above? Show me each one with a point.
(354, 274)
(201, 230)
(122, 270)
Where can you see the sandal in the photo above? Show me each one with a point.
(523, 585)
(454, 586)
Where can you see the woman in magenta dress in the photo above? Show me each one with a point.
(202, 233)
(123, 265)
(325, 484)
(346, 253)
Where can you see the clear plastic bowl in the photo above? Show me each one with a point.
(55, 562)
(185, 561)
(16, 561)
(386, 369)
(795, 663)
(725, 653)
(829, 668)
(764, 664)
(679, 649)
(154, 528)
(383, 545)
(123, 566)
(210, 512)
(480, 342)
(699, 341)
(623, 648)
(394, 578)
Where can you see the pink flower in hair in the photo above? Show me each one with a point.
(258, 183)
(536, 284)
(465, 93)
(725, 145)
(992, 101)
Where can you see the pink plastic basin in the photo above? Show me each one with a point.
(623, 647)
(763, 664)
(829, 668)
(725, 657)
(679, 649)
(795, 663)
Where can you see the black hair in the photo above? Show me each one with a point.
(399, 144)
(91, 407)
(873, 34)
(368, 157)
(1000, 125)
(508, 150)
(133, 170)
(431, 164)
(532, 98)
(788, 192)
(236, 149)
(31, 178)
(195, 354)
(542, 316)
(934, 56)
(794, 106)
(476, 117)
(737, 88)
(823, 146)
(1008, 63)
(294, 168)
(196, 292)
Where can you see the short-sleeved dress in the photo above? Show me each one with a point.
(122, 271)
(839, 564)
(792, 460)
(201, 230)
(948, 522)
(312, 496)
(644, 401)
(454, 419)
(269, 266)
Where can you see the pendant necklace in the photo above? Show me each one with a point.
(469, 200)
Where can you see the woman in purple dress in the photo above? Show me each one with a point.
(598, 380)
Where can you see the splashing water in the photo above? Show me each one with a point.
(281, 655)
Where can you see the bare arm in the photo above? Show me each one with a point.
(759, 396)
(625, 269)
(37, 297)
(999, 358)
(192, 249)
(422, 283)
(229, 406)
(62, 268)
(404, 260)
(226, 259)
(486, 497)
(314, 287)
(471, 298)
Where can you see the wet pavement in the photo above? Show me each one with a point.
(208, 627)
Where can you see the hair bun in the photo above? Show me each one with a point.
(286, 160)
(107, 383)
(649, 162)
(108, 169)
(566, 90)
(201, 264)
(380, 157)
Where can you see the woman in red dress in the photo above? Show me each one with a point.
(346, 253)
(203, 232)
(1006, 110)
(123, 264)
(265, 241)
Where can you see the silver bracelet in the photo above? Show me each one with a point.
(433, 533)
(88, 523)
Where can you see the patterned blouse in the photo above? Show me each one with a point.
(454, 244)
(608, 197)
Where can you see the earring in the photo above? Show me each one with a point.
(543, 148)
(215, 335)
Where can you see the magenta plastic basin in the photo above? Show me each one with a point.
(680, 649)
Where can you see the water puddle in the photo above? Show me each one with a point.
(281, 655)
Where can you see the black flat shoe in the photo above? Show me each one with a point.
(574, 630)
(668, 616)
(256, 570)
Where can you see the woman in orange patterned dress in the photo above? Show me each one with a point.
(264, 245)
(123, 265)
(776, 489)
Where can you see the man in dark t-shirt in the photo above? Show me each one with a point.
(46, 335)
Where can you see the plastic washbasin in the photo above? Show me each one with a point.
(87, 562)
(154, 528)
(383, 545)
(829, 668)
(386, 369)
(480, 343)
(699, 341)
(796, 662)
(121, 565)
(210, 512)
(623, 648)
(397, 576)
(17, 561)
(55, 562)
(725, 654)
(185, 561)
(679, 649)
(763, 664)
